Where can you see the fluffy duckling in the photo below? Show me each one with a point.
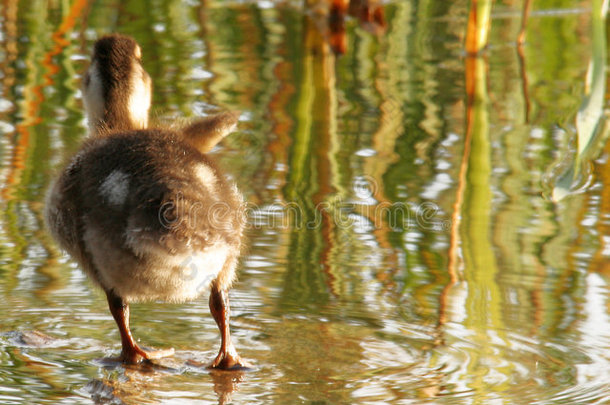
(145, 212)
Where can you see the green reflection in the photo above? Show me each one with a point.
(484, 301)
(572, 173)
(304, 282)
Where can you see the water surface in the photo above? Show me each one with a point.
(403, 248)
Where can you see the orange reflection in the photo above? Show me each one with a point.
(34, 97)
(369, 13)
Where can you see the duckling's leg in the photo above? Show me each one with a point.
(131, 353)
(219, 307)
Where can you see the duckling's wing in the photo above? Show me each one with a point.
(206, 132)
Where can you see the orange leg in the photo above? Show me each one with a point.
(131, 353)
(227, 358)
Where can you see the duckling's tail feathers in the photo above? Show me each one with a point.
(205, 133)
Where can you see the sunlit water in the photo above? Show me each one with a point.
(397, 254)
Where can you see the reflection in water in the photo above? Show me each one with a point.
(400, 248)
(572, 173)
(225, 383)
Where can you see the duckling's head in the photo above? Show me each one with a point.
(116, 88)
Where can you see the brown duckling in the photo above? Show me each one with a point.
(145, 212)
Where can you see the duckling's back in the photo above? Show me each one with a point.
(148, 216)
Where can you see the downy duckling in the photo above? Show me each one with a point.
(145, 212)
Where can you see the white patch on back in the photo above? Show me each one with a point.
(139, 99)
(115, 187)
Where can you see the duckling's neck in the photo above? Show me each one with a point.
(116, 102)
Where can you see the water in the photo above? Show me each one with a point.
(401, 250)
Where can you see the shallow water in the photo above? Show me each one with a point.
(403, 247)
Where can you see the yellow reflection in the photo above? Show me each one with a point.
(480, 313)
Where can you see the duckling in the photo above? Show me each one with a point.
(145, 212)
